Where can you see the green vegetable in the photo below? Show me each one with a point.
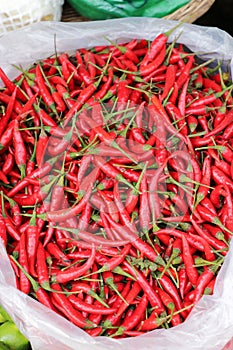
(12, 338)
(4, 315)
(104, 9)
(3, 346)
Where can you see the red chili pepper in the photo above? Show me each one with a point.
(110, 170)
(214, 242)
(224, 166)
(170, 288)
(154, 64)
(220, 177)
(92, 309)
(67, 309)
(41, 267)
(202, 282)
(84, 165)
(151, 323)
(156, 46)
(176, 115)
(120, 305)
(37, 173)
(206, 202)
(7, 136)
(130, 322)
(179, 234)
(3, 232)
(207, 249)
(198, 82)
(74, 272)
(32, 240)
(47, 97)
(158, 107)
(84, 75)
(138, 136)
(153, 298)
(153, 195)
(169, 80)
(65, 95)
(184, 75)
(8, 163)
(36, 197)
(116, 260)
(144, 212)
(228, 132)
(103, 90)
(209, 289)
(182, 281)
(20, 149)
(54, 250)
(211, 84)
(128, 174)
(11, 86)
(110, 206)
(10, 227)
(131, 200)
(189, 263)
(15, 212)
(6, 99)
(31, 162)
(5, 119)
(125, 234)
(208, 99)
(84, 95)
(123, 213)
(24, 283)
(226, 121)
(203, 189)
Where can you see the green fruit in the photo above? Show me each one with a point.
(4, 316)
(3, 346)
(12, 337)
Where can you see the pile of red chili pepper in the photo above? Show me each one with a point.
(117, 183)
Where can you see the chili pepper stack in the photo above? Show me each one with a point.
(116, 183)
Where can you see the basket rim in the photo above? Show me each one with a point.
(191, 11)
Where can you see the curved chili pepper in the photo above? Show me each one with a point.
(125, 234)
(92, 309)
(5, 119)
(216, 243)
(74, 272)
(175, 114)
(130, 322)
(66, 308)
(221, 178)
(15, 211)
(153, 298)
(202, 282)
(156, 46)
(170, 288)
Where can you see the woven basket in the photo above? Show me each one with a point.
(189, 13)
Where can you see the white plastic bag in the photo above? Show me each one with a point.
(19, 13)
(210, 325)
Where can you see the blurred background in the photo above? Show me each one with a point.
(219, 15)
